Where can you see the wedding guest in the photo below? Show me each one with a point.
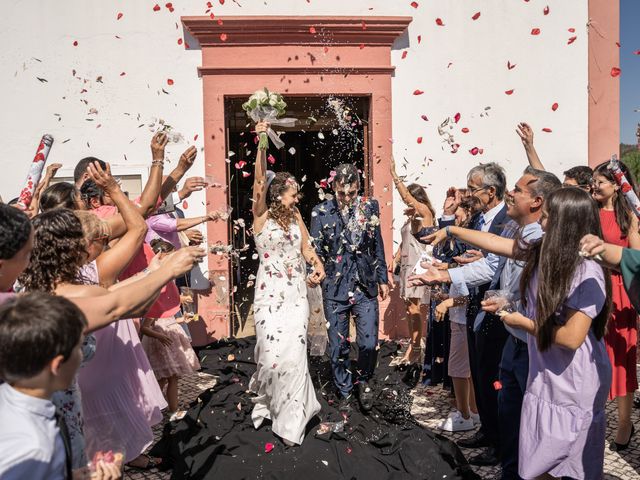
(420, 214)
(619, 227)
(41, 337)
(567, 304)
(168, 348)
(61, 195)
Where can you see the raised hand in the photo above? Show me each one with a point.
(187, 158)
(102, 178)
(195, 236)
(525, 132)
(469, 256)
(158, 143)
(183, 260)
(192, 184)
(452, 201)
(435, 238)
(591, 246)
(52, 169)
(430, 277)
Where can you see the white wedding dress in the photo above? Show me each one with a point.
(282, 382)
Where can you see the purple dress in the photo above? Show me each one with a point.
(562, 428)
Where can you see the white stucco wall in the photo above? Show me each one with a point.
(461, 67)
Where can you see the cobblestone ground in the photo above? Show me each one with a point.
(431, 405)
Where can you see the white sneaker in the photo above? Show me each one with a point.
(456, 423)
(476, 418)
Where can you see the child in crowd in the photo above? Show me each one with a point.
(40, 351)
(168, 348)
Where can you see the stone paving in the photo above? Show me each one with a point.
(431, 405)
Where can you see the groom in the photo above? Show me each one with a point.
(346, 232)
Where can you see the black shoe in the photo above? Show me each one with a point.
(365, 395)
(345, 405)
(636, 402)
(477, 441)
(485, 459)
(619, 447)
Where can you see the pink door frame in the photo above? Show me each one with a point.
(345, 55)
(603, 88)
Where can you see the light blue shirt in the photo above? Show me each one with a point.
(510, 276)
(31, 446)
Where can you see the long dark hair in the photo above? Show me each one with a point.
(59, 250)
(624, 214)
(283, 216)
(59, 195)
(571, 214)
(420, 194)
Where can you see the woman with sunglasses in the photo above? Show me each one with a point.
(619, 227)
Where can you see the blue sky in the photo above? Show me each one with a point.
(630, 65)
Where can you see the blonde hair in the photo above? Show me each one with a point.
(92, 226)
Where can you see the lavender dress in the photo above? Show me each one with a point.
(562, 428)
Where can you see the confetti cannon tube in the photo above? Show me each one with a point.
(35, 171)
(625, 186)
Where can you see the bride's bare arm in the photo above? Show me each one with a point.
(309, 253)
(260, 181)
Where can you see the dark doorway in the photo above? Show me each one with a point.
(330, 130)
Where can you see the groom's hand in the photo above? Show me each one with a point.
(383, 290)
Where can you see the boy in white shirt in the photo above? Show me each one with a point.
(40, 351)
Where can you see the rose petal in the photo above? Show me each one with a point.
(475, 16)
(312, 30)
(221, 2)
(418, 92)
(572, 30)
(615, 72)
(185, 205)
(414, 4)
(419, 39)
(75, 43)
(554, 107)
(456, 117)
(465, 130)
(240, 164)
(424, 117)
(509, 92)
(271, 159)
(361, 46)
(169, 81)
(637, 52)
(404, 55)
(474, 151)
(546, 10)
(119, 16)
(547, 130)
(179, 41)
(156, 8)
(245, 174)
(223, 37)
(267, 446)
(439, 22)
(571, 40)
(419, 140)
(535, 31)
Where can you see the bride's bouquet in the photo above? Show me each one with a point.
(266, 106)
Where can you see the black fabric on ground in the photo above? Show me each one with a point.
(216, 439)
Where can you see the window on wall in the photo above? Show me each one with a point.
(629, 85)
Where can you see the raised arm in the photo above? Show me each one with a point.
(423, 210)
(112, 261)
(34, 206)
(184, 164)
(490, 242)
(606, 254)
(136, 298)
(309, 254)
(260, 178)
(525, 132)
(149, 196)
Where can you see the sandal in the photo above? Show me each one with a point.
(177, 415)
(151, 463)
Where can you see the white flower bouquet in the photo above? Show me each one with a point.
(266, 106)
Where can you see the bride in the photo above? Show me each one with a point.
(282, 384)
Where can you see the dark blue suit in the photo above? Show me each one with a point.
(355, 266)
